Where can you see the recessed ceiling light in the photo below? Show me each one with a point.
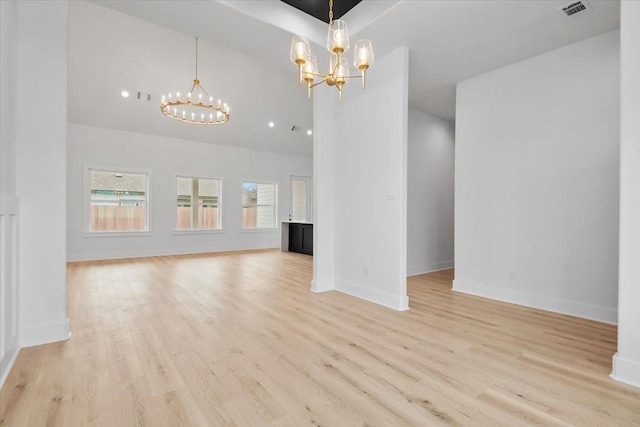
(309, 132)
(271, 124)
(124, 94)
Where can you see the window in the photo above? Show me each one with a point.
(259, 205)
(118, 201)
(300, 199)
(198, 204)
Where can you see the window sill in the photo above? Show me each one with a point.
(116, 233)
(259, 230)
(198, 231)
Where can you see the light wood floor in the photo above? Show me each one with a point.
(238, 339)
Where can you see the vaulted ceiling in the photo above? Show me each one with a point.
(148, 46)
(318, 8)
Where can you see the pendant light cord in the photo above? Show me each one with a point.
(330, 12)
(196, 58)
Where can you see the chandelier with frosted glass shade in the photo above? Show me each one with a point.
(337, 45)
(195, 106)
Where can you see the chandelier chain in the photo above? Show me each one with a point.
(196, 58)
(330, 11)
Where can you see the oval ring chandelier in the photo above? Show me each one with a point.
(196, 107)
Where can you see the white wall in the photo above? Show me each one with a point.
(324, 206)
(164, 158)
(367, 158)
(9, 343)
(41, 124)
(626, 363)
(430, 193)
(537, 162)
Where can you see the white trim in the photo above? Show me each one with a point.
(322, 285)
(625, 371)
(275, 207)
(9, 338)
(308, 196)
(45, 334)
(122, 254)
(396, 302)
(258, 230)
(6, 364)
(197, 231)
(116, 233)
(117, 169)
(192, 175)
(416, 269)
(542, 302)
(220, 211)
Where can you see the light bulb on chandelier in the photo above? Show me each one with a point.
(337, 45)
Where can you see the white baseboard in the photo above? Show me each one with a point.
(45, 334)
(396, 302)
(415, 269)
(6, 364)
(626, 371)
(322, 285)
(514, 296)
(160, 252)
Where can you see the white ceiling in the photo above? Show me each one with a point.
(110, 51)
(244, 57)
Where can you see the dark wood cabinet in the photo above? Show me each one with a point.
(301, 238)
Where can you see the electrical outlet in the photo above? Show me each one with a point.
(513, 275)
(365, 271)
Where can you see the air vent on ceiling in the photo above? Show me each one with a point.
(140, 96)
(574, 9)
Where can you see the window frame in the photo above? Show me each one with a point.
(308, 195)
(275, 226)
(178, 231)
(87, 232)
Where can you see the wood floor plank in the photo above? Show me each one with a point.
(18, 394)
(129, 403)
(210, 386)
(124, 362)
(87, 389)
(178, 408)
(157, 364)
(237, 339)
